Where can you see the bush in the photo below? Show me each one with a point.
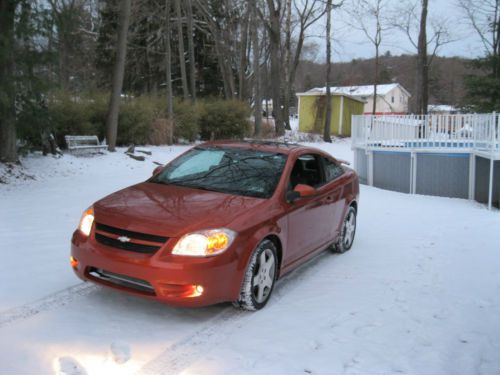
(224, 119)
(136, 119)
(187, 120)
(142, 120)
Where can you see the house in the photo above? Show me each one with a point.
(312, 112)
(392, 98)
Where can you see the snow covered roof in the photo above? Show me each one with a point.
(365, 90)
(441, 108)
(315, 92)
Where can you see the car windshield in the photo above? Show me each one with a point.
(227, 170)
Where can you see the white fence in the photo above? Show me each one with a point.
(467, 131)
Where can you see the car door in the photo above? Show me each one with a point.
(309, 218)
(334, 184)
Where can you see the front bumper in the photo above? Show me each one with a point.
(171, 279)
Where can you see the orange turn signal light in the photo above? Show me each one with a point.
(216, 242)
(74, 262)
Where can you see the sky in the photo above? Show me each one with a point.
(350, 43)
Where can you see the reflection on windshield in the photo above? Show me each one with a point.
(228, 170)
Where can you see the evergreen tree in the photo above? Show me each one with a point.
(483, 90)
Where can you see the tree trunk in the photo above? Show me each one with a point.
(243, 55)
(168, 69)
(118, 73)
(182, 57)
(256, 71)
(192, 66)
(422, 94)
(328, 116)
(275, 46)
(288, 59)
(375, 83)
(8, 151)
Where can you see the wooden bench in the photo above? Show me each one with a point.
(78, 144)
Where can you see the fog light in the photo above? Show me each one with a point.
(74, 262)
(196, 291)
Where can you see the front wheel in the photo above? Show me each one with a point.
(344, 242)
(260, 277)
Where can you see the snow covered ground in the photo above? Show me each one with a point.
(419, 293)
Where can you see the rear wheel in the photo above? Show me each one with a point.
(347, 233)
(260, 277)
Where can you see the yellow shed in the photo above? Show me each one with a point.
(312, 112)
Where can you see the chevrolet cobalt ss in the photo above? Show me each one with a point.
(222, 222)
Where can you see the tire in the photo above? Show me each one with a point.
(260, 277)
(347, 233)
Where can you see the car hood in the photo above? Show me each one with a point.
(171, 210)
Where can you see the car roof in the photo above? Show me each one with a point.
(264, 145)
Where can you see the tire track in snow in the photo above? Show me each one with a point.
(183, 353)
(48, 303)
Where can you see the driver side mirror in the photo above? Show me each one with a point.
(300, 191)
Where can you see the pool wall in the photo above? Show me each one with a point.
(483, 178)
(456, 175)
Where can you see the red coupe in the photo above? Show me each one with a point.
(222, 222)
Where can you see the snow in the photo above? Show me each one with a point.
(440, 108)
(419, 293)
(364, 90)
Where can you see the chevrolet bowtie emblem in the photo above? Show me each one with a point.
(123, 239)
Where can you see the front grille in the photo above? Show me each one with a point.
(137, 242)
(128, 233)
(107, 277)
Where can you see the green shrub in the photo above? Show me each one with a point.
(187, 120)
(136, 119)
(224, 119)
(142, 120)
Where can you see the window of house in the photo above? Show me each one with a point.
(392, 99)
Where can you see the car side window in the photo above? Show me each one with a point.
(306, 171)
(332, 170)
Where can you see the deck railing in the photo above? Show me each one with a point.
(464, 131)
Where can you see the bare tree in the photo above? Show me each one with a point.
(243, 53)
(257, 96)
(308, 12)
(328, 115)
(367, 16)
(8, 151)
(288, 58)
(118, 72)
(191, 55)
(272, 22)
(168, 71)
(182, 57)
(414, 24)
(484, 17)
(422, 94)
(221, 45)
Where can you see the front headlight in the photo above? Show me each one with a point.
(86, 221)
(204, 243)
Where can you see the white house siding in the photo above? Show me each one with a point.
(394, 101)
